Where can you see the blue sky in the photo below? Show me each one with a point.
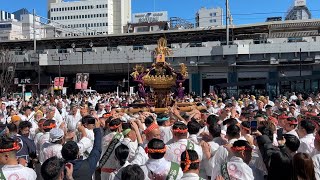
(244, 11)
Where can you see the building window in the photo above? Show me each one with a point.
(213, 20)
(213, 14)
(106, 5)
(106, 15)
(51, 10)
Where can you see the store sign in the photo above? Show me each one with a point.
(150, 17)
(25, 81)
(214, 75)
(300, 3)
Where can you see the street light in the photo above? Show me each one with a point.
(73, 45)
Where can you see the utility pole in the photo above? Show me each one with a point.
(300, 62)
(227, 18)
(35, 50)
(59, 69)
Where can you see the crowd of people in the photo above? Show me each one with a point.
(103, 136)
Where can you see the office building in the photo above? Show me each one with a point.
(209, 17)
(90, 17)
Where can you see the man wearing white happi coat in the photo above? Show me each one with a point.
(11, 169)
(237, 167)
(222, 155)
(181, 143)
(157, 167)
(109, 165)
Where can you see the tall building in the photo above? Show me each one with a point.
(26, 18)
(90, 17)
(209, 17)
(299, 11)
(6, 15)
(19, 25)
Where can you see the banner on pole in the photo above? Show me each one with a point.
(82, 80)
(58, 83)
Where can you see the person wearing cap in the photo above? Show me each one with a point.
(282, 119)
(163, 122)
(15, 119)
(53, 146)
(293, 97)
(181, 143)
(252, 100)
(157, 167)
(11, 169)
(190, 165)
(290, 126)
(237, 167)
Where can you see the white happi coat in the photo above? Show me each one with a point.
(33, 129)
(18, 172)
(293, 132)
(133, 146)
(111, 162)
(205, 165)
(116, 175)
(190, 176)
(221, 156)
(316, 163)
(72, 121)
(141, 157)
(237, 170)
(43, 139)
(307, 144)
(165, 133)
(175, 150)
(49, 150)
(158, 168)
